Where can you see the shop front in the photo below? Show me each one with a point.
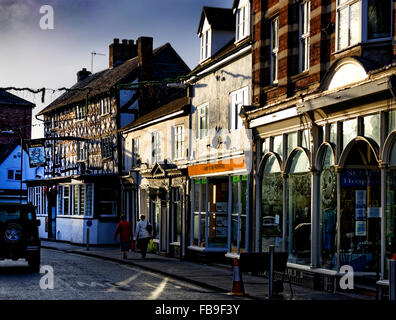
(162, 193)
(219, 208)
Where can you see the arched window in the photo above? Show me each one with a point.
(328, 209)
(271, 205)
(390, 209)
(299, 209)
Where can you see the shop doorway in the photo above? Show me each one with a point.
(360, 201)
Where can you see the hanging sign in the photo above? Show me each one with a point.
(36, 151)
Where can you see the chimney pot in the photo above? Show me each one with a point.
(121, 52)
(116, 40)
(124, 41)
(82, 74)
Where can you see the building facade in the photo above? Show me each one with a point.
(220, 159)
(323, 129)
(155, 173)
(81, 186)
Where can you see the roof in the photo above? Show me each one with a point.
(172, 107)
(5, 150)
(218, 18)
(7, 98)
(230, 48)
(102, 81)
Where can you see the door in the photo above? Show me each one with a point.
(164, 227)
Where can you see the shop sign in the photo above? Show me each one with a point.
(353, 178)
(227, 165)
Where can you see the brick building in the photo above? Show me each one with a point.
(323, 123)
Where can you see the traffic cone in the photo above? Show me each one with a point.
(237, 283)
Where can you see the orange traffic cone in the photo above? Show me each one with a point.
(237, 283)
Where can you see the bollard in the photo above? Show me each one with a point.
(392, 280)
(87, 239)
(271, 272)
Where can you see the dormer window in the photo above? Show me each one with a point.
(362, 21)
(242, 21)
(205, 45)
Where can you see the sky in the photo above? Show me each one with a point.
(34, 57)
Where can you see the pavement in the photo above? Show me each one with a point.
(215, 277)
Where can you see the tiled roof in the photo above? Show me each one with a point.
(7, 98)
(5, 150)
(218, 18)
(172, 107)
(124, 73)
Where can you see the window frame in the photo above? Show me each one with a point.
(245, 23)
(155, 147)
(304, 37)
(105, 106)
(205, 44)
(82, 151)
(81, 112)
(235, 121)
(178, 139)
(201, 133)
(274, 50)
(106, 147)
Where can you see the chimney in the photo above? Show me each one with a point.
(82, 74)
(121, 52)
(145, 54)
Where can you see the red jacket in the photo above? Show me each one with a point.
(124, 229)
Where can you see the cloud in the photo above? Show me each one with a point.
(16, 15)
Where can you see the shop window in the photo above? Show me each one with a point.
(156, 219)
(328, 210)
(218, 212)
(333, 133)
(349, 131)
(278, 145)
(271, 205)
(291, 142)
(372, 127)
(360, 230)
(238, 214)
(390, 211)
(299, 210)
(177, 214)
(199, 212)
(265, 146)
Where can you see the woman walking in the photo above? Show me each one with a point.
(143, 235)
(124, 229)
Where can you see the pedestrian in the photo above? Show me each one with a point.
(124, 230)
(142, 235)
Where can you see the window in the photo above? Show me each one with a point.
(66, 200)
(205, 50)
(107, 147)
(14, 175)
(305, 8)
(79, 199)
(238, 99)
(178, 138)
(135, 151)
(243, 25)
(107, 202)
(81, 112)
(37, 198)
(82, 151)
(203, 121)
(105, 106)
(155, 138)
(54, 121)
(274, 49)
(362, 20)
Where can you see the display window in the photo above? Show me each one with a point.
(360, 218)
(390, 211)
(238, 214)
(271, 205)
(299, 210)
(328, 210)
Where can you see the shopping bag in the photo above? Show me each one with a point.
(151, 246)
